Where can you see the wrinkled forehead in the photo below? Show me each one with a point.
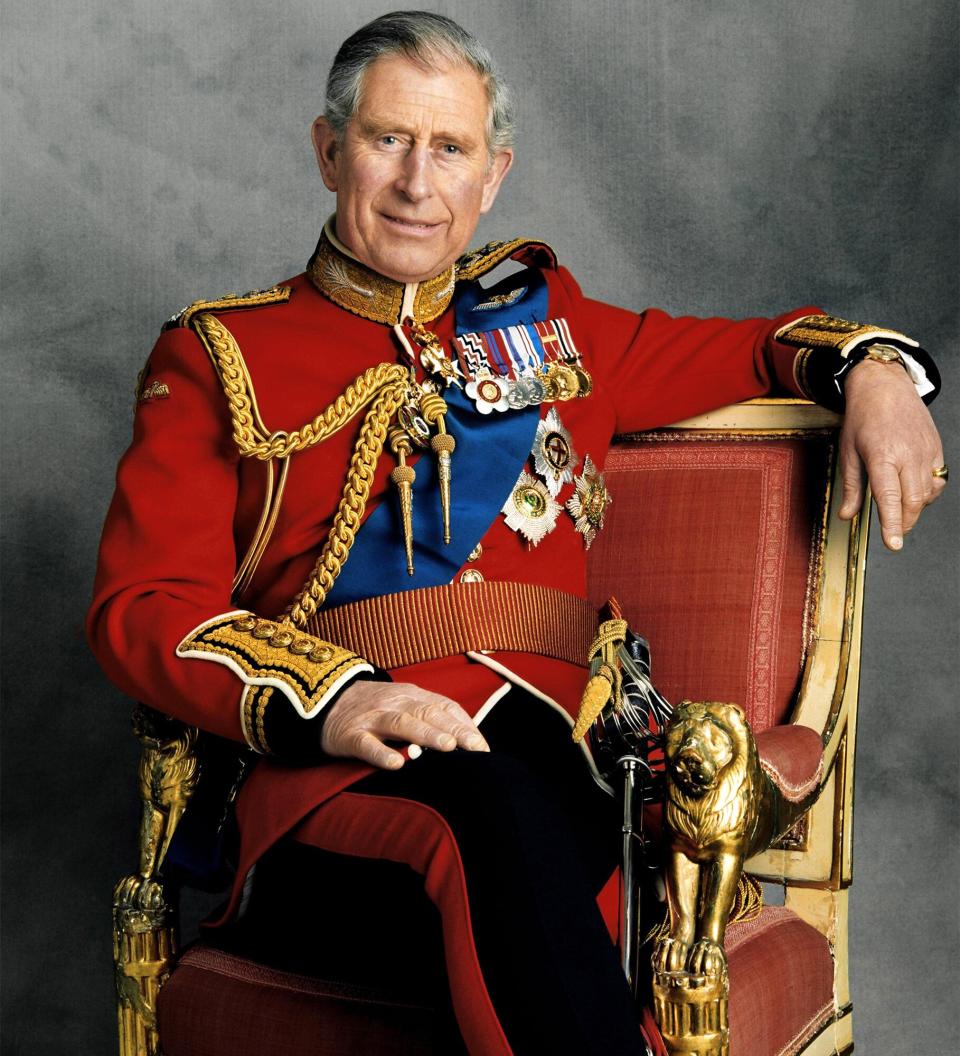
(448, 94)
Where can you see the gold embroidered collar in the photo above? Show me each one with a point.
(337, 274)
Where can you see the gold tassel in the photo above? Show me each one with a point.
(404, 476)
(606, 683)
(594, 700)
(434, 407)
(443, 445)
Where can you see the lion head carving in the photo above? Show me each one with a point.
(714, 777)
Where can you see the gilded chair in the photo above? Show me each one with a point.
(724, 548)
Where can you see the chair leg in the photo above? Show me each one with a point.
(144, 924)
(144, 938)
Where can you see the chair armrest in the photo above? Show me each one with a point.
(792, 757)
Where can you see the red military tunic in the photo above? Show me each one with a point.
(186, 503)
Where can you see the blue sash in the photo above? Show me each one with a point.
(491, 451)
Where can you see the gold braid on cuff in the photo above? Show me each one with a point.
(828, 347)
(271, 655)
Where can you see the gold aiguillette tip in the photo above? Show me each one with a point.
(403, 477)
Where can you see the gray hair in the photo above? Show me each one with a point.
(425, 38)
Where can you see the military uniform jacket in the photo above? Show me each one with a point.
(187, 503)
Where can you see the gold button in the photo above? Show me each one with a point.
(471, 576)
(475, 553)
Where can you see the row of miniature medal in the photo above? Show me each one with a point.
(531, 509)
(522, 366)
(500, 370)
(509, 369)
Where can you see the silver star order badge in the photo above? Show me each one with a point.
(589, 504)
(530, 509)
(554, 458)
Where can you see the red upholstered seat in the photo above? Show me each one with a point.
(215, 1004)
(781, 983)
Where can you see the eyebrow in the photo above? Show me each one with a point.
(371, 127)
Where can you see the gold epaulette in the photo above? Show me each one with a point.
(827, 331)
(253, 299)
(527, 250)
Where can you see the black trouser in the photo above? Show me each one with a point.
(537, 839)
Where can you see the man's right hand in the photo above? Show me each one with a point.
(369, 713)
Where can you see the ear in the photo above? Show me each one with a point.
(327, 150)
(499, 167)
(735, 714)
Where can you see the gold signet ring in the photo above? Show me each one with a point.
(943, 472)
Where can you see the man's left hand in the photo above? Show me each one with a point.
(888, 432)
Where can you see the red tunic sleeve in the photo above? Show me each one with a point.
(656, 369)
(167, 557)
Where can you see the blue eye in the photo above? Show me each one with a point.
(451, 148)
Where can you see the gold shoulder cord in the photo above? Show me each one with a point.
(383, 387)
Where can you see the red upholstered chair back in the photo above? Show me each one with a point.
(712, 547)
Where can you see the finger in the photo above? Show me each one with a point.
(939, 483)
(885, 483)
(851, 474)
(365, 746)
(403, 726)
(448, 716)
(914, 491)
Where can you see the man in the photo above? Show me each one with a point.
(386, 453)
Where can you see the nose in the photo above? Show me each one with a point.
(690, 757)
(415, 179)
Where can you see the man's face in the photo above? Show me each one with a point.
(412, 174)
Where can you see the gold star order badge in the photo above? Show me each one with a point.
(530, 509)
(554, 458)
(590, 502)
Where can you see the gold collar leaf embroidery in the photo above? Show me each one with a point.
(364, 292)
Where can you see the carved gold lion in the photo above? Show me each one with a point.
(720, 808)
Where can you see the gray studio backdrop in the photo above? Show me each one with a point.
(734, 156)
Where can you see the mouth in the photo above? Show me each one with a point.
(416, 228)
